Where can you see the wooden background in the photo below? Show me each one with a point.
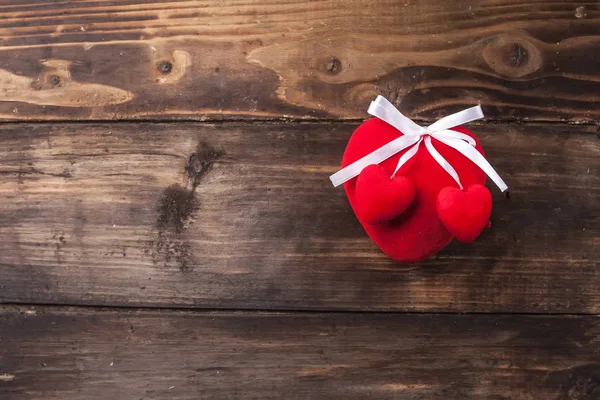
(168, 229)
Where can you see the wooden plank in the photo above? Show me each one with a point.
(81, 354)
(289, 58)
(244, 216)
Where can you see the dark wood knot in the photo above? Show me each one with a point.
(54, 80)
(165, 67)
(333, 66)
(517, 55)
(512, 56)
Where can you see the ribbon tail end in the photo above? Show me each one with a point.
(479, 111)
(335, 180)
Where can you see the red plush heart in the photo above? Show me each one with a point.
(418, 233)
(380, 198)
(465, 213)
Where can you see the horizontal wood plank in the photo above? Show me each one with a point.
(82, 354)
(244, 216)
(193, 59)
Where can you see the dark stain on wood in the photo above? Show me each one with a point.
(168, 250)
(177, 203)
(175, 207)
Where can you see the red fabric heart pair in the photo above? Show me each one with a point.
(381, 199)
(417, 212)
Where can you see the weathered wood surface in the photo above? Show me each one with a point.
(310, 59)
(81, 354)
(244, 216)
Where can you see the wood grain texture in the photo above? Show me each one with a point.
(244, 216)
(81, 354)
(194, 59)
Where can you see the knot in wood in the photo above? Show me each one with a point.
(580, 12)
(511, 56)
(200, 162)
(36, 85)
(54, 80)
(517, 56)
(333, 66)
(165, 67)
(196, 163)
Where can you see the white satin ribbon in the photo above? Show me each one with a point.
(413, 136)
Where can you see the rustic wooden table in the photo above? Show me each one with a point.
(168, 229)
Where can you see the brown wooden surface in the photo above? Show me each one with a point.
(109, 199)
(82, 354)
(243, 216)
(524, 60)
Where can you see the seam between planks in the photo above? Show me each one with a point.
(279, 121)
(213, 310)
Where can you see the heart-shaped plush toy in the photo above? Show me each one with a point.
(465, 212)
(380, 198)
(417, 212)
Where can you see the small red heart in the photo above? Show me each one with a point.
(380, 198)
(465, 213)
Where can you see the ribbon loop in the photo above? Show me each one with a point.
(414, 134)
(384, 110)
(456, 119)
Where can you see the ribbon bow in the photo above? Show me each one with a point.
(413, 136)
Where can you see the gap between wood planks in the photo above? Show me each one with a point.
(282, 121)
(247, 311)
